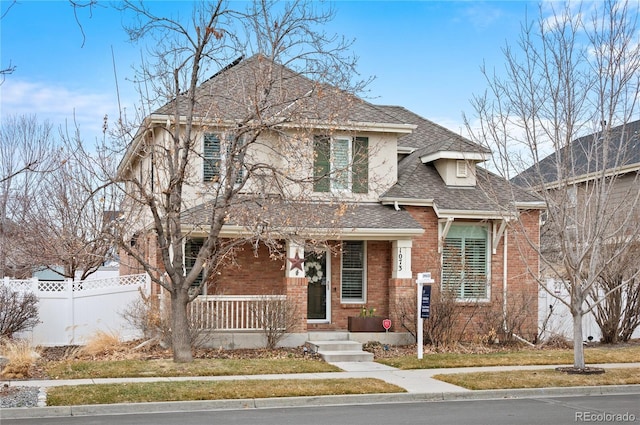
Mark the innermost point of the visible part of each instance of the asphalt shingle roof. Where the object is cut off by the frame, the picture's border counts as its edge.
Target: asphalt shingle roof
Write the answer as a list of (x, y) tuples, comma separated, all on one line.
[(280, 213), (584, 156), (241, 89), (423, 182)]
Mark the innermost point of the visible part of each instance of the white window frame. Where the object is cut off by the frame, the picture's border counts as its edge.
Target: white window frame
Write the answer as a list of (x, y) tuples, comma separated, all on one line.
[(363, 300), (487, 229), (335, 173), (223, 154)]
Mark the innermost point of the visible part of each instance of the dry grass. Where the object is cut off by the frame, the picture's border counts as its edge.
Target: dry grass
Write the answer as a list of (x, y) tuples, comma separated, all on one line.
[(212, 390), (21, 358), (78, 369), (521, 357), (539, 379), (102, 344)]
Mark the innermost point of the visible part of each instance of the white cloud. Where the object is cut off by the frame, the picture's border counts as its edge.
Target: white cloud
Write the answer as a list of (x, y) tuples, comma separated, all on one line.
[(482, 15), (57, 104)]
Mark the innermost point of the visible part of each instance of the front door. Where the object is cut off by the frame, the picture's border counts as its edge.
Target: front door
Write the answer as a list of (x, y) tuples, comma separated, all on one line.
[(318, 296)]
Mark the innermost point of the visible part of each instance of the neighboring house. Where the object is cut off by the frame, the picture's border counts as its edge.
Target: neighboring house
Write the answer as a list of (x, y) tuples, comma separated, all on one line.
[(582, 161), (414, 201), (588, 183), (579, 176)]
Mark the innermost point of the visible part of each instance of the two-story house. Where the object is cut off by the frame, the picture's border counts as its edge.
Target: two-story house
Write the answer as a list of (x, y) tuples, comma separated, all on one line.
[(380, 194)]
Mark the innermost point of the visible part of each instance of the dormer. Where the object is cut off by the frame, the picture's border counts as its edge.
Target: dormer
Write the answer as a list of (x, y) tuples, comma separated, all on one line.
[(456, 168)]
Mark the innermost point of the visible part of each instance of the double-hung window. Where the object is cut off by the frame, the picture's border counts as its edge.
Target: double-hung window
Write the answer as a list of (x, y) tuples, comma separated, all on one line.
[(341, 164), (465, 257), (353, 271), (218, 154)]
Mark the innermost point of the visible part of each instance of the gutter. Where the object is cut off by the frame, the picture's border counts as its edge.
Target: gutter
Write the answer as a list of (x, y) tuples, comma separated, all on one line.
[(350, 233)]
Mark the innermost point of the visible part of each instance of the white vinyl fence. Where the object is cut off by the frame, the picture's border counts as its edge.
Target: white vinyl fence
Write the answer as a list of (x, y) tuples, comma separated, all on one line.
[(71, 312), (554, 317)]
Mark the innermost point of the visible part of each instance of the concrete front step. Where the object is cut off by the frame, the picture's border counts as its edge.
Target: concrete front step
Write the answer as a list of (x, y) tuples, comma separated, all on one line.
[(346, 356), (321, 346), (340, 350), (328, 336)]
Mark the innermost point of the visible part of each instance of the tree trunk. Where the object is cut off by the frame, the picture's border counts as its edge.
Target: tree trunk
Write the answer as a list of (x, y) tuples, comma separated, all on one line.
[(180, 335), (578, 348)]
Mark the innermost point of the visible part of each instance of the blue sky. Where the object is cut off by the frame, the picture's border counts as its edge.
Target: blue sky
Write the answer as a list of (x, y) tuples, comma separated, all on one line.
[(424, 55)]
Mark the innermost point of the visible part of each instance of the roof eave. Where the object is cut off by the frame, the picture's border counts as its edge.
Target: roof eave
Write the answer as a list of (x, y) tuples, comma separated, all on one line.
[(630, 168), (414, 202), (473, 214), (350, 233), (531, 205), (467, 156), (406, 150)]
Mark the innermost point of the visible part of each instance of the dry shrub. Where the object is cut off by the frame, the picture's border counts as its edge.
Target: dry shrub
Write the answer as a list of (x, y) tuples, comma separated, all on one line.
[(101, 344), (21, 357), (447, 323), (151, 315), (18, 311), (276, 317), (506, 327), (146, 314), (557, 341)]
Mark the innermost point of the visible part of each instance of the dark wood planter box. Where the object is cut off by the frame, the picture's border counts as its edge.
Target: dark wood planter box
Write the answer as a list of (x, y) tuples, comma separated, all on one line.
[(366, 324)]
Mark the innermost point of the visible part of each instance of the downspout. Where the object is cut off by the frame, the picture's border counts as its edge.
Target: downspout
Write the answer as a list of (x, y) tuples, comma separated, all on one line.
[(504, 292), (504, 281)]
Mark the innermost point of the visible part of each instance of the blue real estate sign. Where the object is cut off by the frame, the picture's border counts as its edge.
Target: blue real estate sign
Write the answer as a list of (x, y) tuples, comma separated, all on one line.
[(425, 306)]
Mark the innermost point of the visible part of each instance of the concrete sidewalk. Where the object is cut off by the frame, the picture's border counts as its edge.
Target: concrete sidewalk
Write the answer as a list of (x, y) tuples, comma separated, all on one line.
[(419, 384)]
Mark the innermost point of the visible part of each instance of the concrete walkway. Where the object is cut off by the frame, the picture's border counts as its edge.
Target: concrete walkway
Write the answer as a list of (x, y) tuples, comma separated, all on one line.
[(419, 384)]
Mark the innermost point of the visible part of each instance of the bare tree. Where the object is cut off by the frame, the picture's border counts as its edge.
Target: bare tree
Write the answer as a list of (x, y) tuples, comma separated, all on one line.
[(53, 204), (69, 224), (26, 148), (261, 115), (575, 71)]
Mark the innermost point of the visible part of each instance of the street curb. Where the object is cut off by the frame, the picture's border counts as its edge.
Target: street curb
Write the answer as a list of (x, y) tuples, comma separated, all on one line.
[(286, 402)]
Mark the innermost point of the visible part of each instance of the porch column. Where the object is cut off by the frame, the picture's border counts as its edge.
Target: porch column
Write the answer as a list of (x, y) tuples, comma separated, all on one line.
[(401, 287), (295, 284), (295, 260), (401, 255)]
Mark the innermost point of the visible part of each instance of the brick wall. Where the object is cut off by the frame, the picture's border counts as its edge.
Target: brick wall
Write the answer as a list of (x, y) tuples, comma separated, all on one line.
[(477, 319), (252, 273), (255, 273)]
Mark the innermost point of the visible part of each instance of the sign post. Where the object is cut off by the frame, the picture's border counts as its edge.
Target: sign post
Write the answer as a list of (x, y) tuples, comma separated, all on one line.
[(423, 308), (386, 324)]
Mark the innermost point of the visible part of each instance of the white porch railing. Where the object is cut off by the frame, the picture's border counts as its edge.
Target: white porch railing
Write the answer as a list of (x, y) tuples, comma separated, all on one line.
[(233, 312)]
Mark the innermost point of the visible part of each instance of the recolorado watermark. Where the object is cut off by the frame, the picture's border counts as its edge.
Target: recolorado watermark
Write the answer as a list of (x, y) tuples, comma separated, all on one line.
[(587, 416)]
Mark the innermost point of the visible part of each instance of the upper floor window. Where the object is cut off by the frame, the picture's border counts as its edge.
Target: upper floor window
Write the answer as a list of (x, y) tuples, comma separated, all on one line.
[(216, 154), (465, 257), (341, 164)]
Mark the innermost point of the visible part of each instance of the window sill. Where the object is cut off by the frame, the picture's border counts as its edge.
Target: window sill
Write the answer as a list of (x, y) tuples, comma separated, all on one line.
[(351, 305)]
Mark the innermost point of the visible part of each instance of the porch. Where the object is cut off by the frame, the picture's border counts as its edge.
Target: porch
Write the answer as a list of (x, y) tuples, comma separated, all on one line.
[(238, 321)]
